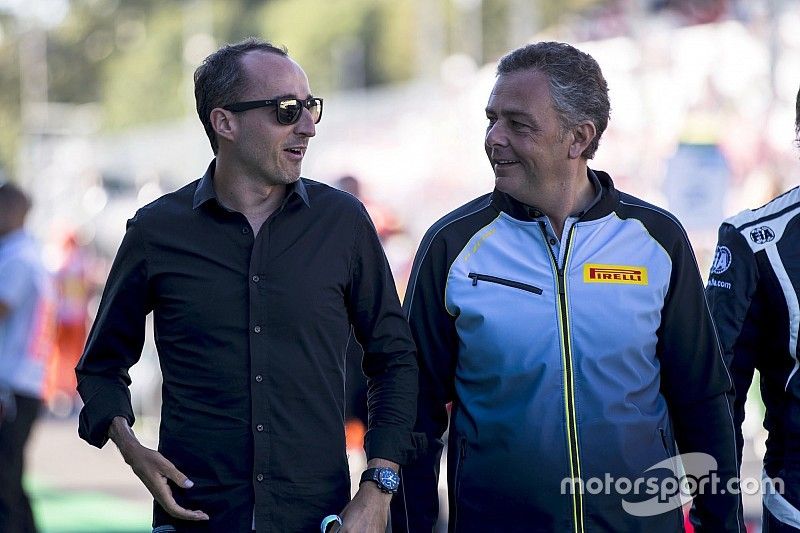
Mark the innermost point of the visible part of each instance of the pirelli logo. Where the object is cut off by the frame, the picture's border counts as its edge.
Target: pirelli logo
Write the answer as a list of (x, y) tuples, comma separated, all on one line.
[(627, 275)]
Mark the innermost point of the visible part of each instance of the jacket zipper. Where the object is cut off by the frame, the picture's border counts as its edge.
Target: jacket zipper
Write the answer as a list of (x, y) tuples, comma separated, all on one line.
[(502, 281), (569, 384)]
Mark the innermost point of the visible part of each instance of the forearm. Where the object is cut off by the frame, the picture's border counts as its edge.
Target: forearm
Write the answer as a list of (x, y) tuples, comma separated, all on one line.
[(115, 342), (368, 511), (105, 398), (377, 496), (122, 435), (392, 407)]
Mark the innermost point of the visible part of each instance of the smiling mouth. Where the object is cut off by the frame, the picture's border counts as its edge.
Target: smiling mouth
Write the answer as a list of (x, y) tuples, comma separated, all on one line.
[(296, 151), (504, 162)]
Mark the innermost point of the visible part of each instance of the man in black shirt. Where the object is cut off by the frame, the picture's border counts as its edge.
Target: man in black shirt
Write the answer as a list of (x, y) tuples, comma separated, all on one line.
[(255, 278)]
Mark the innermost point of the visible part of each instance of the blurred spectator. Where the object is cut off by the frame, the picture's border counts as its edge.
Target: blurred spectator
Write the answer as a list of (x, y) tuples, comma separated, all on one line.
[(75, 287), (386, 223), (26, 319)]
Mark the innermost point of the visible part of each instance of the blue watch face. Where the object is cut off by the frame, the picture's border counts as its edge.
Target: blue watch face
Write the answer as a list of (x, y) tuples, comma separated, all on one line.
[(389, 478)]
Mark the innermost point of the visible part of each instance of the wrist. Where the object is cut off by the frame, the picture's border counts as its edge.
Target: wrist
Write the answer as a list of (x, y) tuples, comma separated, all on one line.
[(123, 437), (384, 478), (373, 493)]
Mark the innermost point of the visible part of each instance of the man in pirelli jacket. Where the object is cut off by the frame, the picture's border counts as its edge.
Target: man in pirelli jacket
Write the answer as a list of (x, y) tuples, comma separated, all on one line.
[(753, 292), (566, 322)]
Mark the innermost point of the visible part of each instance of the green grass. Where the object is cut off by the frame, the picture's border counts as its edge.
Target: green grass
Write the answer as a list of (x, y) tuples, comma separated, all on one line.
[(58, 511)]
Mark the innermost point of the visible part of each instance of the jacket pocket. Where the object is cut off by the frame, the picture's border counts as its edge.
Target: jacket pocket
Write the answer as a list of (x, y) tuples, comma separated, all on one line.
[(502, 281)]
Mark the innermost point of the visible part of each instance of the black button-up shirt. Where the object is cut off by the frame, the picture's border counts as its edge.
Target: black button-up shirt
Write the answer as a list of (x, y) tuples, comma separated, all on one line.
[(251, 332)]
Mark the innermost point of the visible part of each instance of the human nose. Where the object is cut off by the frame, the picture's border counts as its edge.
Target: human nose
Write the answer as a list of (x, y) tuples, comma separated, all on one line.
[(495, 136), (305, 125)]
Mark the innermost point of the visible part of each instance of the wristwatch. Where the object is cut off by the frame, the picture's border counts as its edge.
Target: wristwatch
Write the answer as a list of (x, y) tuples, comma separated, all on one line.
[(386, 479)]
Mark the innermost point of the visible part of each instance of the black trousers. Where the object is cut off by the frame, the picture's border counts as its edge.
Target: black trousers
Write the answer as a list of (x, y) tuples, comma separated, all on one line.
[(16, 515)]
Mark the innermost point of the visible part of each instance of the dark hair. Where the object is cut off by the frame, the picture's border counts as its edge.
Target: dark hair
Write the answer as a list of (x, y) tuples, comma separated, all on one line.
[(797, 119), (13, 199), (220, 79), (577, 87)]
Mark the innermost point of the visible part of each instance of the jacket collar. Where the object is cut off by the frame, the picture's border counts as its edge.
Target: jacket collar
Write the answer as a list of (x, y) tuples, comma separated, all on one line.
[(603, 203)]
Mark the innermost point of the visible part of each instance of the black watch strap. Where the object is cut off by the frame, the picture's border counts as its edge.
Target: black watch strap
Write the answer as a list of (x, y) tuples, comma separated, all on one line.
[(387, 479)]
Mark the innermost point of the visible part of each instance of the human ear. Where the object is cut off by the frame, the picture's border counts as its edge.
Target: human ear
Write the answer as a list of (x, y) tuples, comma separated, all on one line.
[(582, 136), (223, 123)]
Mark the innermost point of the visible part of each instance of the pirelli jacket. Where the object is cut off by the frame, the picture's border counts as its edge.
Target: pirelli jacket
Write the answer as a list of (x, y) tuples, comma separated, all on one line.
[(753, 293), (567, 361)]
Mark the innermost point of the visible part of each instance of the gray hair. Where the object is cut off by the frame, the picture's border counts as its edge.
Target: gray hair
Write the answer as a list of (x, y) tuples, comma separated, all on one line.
[(220, 79), (577, 87)]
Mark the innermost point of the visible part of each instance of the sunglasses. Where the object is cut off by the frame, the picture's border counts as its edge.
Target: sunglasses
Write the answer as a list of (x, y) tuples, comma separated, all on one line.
[(287, 110)]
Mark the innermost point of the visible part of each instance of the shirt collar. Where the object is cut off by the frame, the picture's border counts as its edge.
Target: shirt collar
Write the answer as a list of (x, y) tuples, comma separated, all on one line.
[(299, 188), (205, 188)]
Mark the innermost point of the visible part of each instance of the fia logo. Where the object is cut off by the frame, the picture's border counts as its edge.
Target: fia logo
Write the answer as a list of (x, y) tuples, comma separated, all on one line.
[(762, 234), (722, 260)]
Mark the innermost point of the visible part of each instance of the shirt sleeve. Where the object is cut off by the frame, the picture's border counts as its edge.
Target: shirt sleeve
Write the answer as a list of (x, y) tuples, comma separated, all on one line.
[(695, 383), (389, 355), (416, 508), (731, 288), (16, 286), (18, 283), (115, 341)]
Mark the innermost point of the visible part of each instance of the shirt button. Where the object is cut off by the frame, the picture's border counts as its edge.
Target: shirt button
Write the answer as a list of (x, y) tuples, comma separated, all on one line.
[(552, 241), (256, 279), (257, 329), (245, 230), (260, 477), (259, 427), (259, 378)]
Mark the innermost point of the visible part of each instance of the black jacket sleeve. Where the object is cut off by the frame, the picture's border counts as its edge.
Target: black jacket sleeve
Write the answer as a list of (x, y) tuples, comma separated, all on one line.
[(115, 342), (416, 508), (731, 286), (695, 383)]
